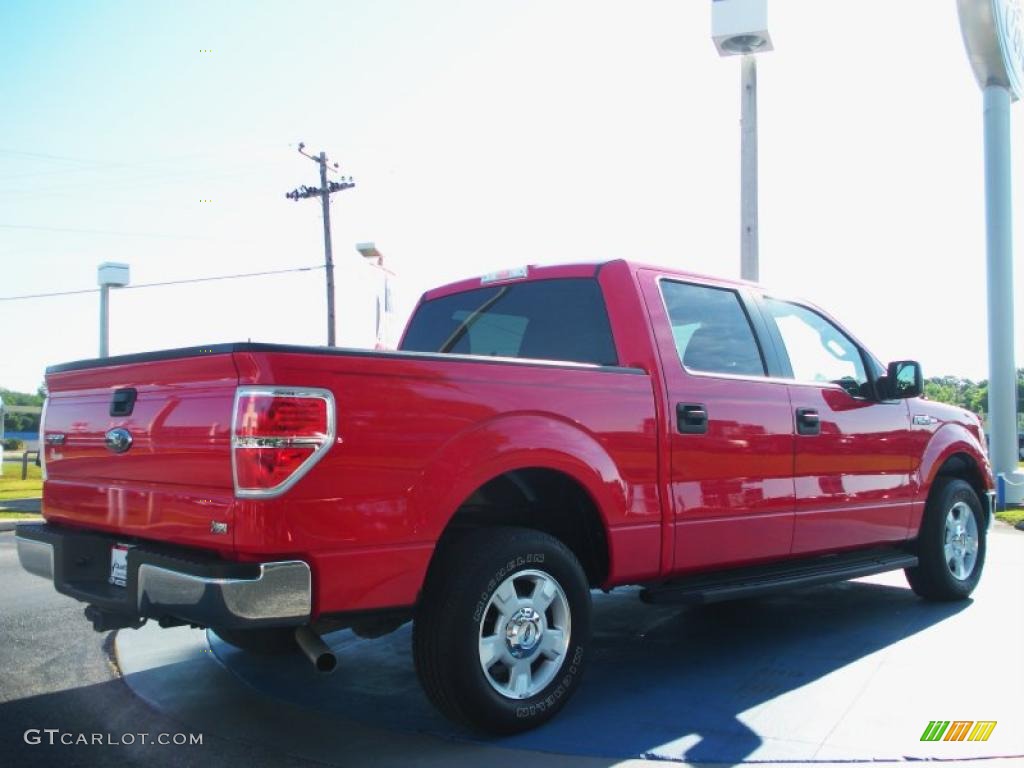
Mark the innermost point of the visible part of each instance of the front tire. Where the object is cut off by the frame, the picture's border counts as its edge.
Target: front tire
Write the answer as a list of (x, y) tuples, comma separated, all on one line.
[(951, 543), (502, 629)]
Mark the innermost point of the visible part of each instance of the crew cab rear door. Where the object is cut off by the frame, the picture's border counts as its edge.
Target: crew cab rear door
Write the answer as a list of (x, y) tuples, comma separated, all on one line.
[(852, 461), (731, 428)]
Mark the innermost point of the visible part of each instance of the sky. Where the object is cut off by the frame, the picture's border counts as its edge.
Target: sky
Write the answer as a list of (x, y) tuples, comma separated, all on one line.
[(481, 135)]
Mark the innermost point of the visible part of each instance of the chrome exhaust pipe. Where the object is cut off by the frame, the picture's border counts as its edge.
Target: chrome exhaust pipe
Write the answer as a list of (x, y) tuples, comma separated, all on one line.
[(316, 650)]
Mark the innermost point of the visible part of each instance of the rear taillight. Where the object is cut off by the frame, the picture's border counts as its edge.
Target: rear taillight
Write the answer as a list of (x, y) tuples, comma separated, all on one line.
[(277, 435)]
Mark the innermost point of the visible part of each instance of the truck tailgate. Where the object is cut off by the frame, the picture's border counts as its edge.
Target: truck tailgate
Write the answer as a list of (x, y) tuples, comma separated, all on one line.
[(173, 482)]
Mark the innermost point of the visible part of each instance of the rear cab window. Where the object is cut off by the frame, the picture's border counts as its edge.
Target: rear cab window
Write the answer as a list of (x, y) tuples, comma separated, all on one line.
[(556, 319), (711, 330)]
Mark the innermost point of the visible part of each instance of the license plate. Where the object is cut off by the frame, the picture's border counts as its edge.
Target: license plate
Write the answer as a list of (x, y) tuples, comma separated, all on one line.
[(119, 564)]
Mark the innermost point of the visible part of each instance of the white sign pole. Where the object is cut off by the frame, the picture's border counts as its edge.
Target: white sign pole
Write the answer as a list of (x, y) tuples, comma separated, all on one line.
[(993, 32), (1002, 377)]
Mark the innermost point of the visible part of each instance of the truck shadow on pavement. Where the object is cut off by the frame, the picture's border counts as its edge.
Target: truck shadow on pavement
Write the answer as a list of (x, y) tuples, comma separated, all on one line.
[(701, 683)]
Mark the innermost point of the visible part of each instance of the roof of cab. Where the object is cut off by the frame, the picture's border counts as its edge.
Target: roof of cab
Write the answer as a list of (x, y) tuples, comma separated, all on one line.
[(585, 269)]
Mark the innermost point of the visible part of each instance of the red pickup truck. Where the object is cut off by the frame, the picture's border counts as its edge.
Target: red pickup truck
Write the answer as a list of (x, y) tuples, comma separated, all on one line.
[(540, 433)]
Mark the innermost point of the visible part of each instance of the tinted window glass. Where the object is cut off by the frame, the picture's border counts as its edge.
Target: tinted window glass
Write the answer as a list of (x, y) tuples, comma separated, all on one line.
[(542, 320), (817, 350), (711, 330)]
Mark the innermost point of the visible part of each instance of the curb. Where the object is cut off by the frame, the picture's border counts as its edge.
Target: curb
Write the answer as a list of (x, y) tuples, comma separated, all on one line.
[(25, 506), (8, 525)]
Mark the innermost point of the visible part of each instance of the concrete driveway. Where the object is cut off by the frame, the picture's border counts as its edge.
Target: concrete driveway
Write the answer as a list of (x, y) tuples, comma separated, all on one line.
[(845, 672), (849, 672)]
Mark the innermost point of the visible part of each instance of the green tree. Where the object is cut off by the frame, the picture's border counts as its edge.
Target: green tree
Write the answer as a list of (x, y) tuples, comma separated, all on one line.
[(22, 422), (966, 393)]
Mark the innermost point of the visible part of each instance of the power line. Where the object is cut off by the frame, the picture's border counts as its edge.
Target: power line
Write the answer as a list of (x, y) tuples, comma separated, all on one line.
[(166, 282), (124, 233), (107, 163), (44, 156), (48, 295), (77, 231), (228, 277), (140, 176)]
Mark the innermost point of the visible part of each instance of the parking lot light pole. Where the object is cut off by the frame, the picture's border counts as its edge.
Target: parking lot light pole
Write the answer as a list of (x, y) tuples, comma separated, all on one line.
[(109, 275), (740, 28), (375, 258)]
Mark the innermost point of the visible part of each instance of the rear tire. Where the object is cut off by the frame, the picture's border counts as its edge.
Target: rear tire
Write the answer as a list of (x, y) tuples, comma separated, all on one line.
[(950, 544), (270, 641), (502, 629)]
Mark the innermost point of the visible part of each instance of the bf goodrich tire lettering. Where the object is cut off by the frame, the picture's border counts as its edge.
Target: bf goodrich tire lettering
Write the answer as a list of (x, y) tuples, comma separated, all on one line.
[(501, 631)]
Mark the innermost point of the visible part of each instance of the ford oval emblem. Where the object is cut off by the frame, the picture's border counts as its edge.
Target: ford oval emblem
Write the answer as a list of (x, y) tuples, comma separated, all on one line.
[(118, 440)]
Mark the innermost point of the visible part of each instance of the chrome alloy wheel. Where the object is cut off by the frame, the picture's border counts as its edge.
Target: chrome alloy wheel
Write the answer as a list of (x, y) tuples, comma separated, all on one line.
[(960, 541), (524, 634)]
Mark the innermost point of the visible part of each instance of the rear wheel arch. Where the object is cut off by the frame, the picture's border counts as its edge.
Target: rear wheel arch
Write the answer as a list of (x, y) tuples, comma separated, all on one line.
[(539, 498), (528, 461)]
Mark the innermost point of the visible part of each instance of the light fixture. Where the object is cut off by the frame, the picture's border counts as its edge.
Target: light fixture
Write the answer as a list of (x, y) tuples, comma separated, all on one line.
[(744, 44), (739, 27)]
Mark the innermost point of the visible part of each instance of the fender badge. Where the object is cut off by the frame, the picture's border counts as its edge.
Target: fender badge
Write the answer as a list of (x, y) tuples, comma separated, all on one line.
[(924, 421)]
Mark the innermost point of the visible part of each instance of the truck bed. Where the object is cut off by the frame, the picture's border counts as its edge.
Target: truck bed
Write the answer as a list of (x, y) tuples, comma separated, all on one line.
[(368, 515)]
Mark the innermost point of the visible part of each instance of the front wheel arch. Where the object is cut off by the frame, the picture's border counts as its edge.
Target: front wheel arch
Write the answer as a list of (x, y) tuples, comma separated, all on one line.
[(942, 538)]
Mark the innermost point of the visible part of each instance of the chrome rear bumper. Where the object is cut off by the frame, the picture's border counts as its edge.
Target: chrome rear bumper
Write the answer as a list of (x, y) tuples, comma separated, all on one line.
[(169, 584)]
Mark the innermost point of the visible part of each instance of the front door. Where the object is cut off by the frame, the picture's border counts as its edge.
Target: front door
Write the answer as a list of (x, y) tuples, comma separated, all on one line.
[(852, 462), (731, 432)]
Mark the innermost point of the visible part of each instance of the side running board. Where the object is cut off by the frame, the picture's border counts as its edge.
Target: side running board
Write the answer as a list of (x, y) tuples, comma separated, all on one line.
[(778, 577)]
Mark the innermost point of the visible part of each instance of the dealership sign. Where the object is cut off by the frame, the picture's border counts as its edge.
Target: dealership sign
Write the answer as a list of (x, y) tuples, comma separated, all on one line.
[(994, 35)]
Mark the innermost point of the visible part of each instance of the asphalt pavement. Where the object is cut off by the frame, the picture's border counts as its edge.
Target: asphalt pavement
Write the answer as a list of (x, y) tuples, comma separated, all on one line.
[(57, 673), (28, 506), (835, 674)]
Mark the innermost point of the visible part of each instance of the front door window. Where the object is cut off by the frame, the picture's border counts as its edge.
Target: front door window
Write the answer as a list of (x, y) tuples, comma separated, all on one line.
[(818, 351)]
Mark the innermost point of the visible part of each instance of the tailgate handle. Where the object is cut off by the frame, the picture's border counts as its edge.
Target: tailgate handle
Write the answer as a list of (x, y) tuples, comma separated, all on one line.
[(123, 402)]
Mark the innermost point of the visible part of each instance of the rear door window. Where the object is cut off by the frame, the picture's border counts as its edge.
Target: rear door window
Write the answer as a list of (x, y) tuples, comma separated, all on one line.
[(559, 319)]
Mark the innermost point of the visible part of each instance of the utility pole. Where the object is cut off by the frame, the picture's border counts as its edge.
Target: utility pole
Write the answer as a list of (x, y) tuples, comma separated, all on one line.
[(324, 192)]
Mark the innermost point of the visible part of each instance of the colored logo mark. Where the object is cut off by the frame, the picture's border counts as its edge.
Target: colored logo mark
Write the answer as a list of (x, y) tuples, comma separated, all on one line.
[(958, 730)]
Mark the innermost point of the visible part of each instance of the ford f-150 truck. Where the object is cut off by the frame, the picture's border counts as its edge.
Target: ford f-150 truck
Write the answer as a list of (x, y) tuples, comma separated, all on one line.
[(539, 433)]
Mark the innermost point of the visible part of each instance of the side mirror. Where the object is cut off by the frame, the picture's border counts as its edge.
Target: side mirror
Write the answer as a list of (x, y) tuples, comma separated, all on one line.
[(904, 379)]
